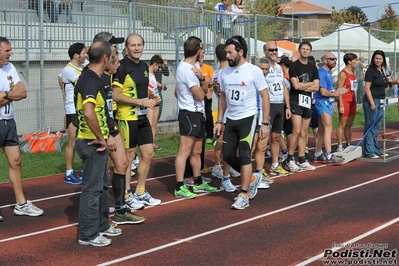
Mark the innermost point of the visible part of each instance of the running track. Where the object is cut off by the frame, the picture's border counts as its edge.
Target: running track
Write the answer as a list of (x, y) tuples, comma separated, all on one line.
[(291, 223)]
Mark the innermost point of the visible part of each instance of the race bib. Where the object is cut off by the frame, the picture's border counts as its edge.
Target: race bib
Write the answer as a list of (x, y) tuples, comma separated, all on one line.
[(354, 85), (6, 111), (236, 96), (304, 101), (276, 88), (109, 106), (141, 110)]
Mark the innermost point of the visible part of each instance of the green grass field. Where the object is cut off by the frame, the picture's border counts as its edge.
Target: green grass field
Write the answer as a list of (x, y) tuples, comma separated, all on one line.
[(41, 164)]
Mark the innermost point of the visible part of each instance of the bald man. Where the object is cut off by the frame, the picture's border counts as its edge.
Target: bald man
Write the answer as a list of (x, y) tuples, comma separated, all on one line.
[(323, 107)]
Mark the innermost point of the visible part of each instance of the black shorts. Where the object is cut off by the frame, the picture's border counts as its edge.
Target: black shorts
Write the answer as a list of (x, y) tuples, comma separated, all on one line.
[(277, 117), (314, 122), (136, 132), (191, 124), (301, 111), (72, 118), (8, 133)]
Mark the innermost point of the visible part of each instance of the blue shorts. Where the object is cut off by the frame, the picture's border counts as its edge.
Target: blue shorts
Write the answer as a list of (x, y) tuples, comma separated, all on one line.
[(322, 106)]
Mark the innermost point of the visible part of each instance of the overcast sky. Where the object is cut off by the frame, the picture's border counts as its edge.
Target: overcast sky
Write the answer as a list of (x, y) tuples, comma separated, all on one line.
[(370, 7)]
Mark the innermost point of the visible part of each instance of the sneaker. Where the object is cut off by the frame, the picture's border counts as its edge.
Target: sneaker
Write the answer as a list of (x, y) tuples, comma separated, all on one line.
[(112, 231), (217, 172), (99, 241), (339, 149), (263, 185), (279, 170), (132, 203), (188, 181), (184, 192), (265, 177), (241, 202), (335, 160), (128, 218), (27, 209), (206, 179), (135, 163), (157, 147), (306, 166), (206, 170), (132, 173), (204, 187), (227, 186), (1, 218), (291, 166), (374, 156), (268, 153), (234, 173), (147, 199), (319, 159), (396, 139), (72, 179), (282, 158), (253, 187), (306, 150)]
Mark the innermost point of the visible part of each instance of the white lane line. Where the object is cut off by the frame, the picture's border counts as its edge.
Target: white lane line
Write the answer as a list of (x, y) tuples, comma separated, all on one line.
[(242, 222), (353, 240)]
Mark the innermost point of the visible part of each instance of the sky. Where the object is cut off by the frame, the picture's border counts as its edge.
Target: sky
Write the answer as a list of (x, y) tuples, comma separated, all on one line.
[(370, 7)]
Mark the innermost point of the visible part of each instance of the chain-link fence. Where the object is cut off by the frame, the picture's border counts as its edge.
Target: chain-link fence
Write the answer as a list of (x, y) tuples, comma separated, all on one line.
[(41, 32)]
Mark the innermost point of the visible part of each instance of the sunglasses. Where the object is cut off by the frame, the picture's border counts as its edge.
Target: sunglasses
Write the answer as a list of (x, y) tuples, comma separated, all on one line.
[(237, 42), (332, 59), (273, 50)]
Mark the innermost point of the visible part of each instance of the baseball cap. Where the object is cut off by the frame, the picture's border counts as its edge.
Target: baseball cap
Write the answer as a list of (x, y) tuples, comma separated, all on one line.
[(108, 37)]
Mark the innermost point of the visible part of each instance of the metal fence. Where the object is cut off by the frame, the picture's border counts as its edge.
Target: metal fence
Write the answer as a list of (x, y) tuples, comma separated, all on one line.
[(40, 45)]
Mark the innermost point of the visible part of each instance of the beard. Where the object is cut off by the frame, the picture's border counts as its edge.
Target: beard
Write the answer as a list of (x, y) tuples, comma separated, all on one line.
[(234, 62)]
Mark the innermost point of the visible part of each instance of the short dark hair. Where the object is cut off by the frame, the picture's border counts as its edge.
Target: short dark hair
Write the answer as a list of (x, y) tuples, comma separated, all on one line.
[(305, 43), (97, 50), (349, 57), (75, 48), (3, 40), (220, 52), (239, 44), (191, 46), (156, 59)]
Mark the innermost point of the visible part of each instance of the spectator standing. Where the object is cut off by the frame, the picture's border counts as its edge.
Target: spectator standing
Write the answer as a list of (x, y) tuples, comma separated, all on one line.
[(163, 70), (239, 10), (220, 8), (360, 70), (12, 89)]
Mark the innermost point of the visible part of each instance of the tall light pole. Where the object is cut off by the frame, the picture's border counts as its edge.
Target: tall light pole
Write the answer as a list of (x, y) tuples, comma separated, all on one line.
[(376, 15)]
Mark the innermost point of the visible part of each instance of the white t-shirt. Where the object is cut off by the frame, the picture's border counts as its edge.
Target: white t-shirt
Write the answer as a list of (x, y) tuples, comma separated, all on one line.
[(152, 84), (8, 77), (69, 75), (186, 79), (275, 80), (240, 85), (217, 77)]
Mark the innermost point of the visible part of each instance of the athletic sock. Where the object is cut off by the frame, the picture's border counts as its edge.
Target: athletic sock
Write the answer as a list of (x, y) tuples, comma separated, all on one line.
[(274, 165), (179, 185), (198, 180), (317, 154), (285, 151), (140, 190), (301, 159), (69, 172), (120, 209), (329, 155), (224, 178)]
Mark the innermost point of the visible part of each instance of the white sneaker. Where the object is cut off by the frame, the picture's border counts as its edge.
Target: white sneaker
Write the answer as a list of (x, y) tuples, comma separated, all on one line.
[(99, 241), (227, 186), (253, 187), (306, 166), (147, 199), (28, 209), (217, 172), (133, 204), (263, 185), (234, 173), (339, 149), (291, 166), (135, 163), (240, 202)]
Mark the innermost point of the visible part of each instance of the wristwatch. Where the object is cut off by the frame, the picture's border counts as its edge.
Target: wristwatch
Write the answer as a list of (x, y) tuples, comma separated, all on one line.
[(6, 92)]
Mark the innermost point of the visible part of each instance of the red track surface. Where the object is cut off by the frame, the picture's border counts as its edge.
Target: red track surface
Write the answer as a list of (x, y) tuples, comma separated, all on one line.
[(299, 217)]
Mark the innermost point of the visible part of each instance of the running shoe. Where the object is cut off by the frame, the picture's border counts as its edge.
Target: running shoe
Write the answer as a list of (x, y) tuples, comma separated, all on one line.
[(279, 170), (135, 163), (206, 170), (306, 150), (266, 177), (283, 157), (204, 187), (72, 179), (319, 159), (147, 199), (206, 179), (217, 172), (263, 185), (132, 173), (157, 147), (227, 186), (374, 156), (28, 209), (396, 139), (184, 192), (99, 241), (306, 166), (234, 173), (335, 160), (112, 231), (188, 181), (339, 149), (132, 203), (291, 166), (1, 218), (253, 186), (128, 218), (241, 202)]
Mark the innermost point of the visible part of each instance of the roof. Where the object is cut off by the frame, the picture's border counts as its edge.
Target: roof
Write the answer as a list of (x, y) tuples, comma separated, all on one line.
[(302, 8)]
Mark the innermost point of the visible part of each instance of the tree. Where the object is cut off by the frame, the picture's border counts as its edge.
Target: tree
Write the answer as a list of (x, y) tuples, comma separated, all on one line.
[(268, 24), (389, 22), (352, 14)]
